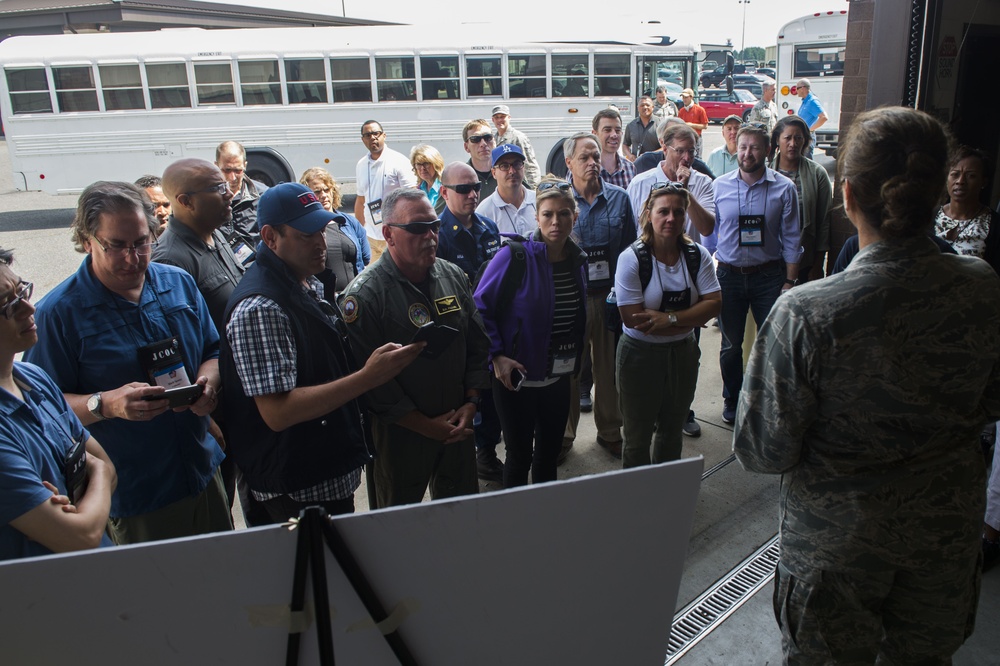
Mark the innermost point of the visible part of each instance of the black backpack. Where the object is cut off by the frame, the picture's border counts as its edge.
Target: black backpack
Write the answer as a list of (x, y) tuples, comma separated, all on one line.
[(692, 258)]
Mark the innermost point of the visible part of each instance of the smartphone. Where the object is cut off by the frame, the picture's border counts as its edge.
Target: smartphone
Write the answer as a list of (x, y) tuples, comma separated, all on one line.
[(516, 379), (178, 397), (437, 336)]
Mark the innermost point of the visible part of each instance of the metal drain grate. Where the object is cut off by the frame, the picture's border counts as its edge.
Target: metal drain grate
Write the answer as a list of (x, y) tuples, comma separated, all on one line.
[(714, 605)]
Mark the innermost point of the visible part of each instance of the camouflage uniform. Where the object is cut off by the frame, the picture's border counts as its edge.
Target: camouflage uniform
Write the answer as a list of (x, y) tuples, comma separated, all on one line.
[(766, 113), (867, 391)]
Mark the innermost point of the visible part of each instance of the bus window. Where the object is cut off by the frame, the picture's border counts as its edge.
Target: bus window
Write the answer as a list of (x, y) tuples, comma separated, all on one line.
[(351, 79), (29, 91), (483, 76), (397, 79), (121, 86), (569, 75), (168, 85), (214, 83), (813, 61), (306, 81), (612, 75), (259, 82), (75, 89), (439, 77), (527, 75)]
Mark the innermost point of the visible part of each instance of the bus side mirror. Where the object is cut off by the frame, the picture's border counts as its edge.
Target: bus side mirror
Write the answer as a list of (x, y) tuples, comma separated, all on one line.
[(729, 85)]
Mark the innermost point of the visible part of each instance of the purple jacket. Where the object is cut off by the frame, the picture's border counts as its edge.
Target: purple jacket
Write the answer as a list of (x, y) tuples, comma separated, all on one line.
[(524, 329)]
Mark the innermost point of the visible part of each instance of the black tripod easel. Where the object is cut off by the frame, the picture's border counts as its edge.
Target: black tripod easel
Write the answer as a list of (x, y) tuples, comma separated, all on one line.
[(316, 529)]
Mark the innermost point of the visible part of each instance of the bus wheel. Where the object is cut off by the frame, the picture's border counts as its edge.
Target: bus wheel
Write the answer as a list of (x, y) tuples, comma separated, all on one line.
[(268, 169), (557, 160)]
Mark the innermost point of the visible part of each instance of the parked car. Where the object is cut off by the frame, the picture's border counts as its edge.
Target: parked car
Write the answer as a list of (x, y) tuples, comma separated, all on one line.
[(719, 104), (768, 71), (755, 89), (713, 78)]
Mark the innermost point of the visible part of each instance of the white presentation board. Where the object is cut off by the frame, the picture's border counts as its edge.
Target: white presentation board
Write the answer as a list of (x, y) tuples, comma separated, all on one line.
[(584, 571)]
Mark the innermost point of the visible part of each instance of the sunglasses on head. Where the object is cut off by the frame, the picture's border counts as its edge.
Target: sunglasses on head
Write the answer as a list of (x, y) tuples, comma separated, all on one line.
[(562, 187), (418, 228), (758, 126), (476, 138), (465, 188)]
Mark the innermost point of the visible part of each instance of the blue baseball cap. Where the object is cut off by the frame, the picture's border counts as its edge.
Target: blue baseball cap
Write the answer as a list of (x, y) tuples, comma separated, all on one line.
[(295, 205), (506, 149)]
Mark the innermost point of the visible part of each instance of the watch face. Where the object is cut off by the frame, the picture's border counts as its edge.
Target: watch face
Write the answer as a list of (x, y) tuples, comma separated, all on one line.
[(94, 404)]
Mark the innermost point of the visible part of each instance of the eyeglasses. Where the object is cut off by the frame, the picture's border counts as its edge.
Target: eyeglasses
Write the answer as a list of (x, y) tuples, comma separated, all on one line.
[(682, 153), (372, 135), (219, 188), (476, 138), (510, 166), (121, 251), (423, 165), (465, 188), (562, 187), (23, 294), (418, 228), (321, 191), (757, 126)]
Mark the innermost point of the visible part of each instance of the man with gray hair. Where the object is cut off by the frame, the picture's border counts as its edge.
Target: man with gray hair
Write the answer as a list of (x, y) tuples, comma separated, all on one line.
[(810, 110), (241, 231), (423, 418), (765, 111), (604, 229)]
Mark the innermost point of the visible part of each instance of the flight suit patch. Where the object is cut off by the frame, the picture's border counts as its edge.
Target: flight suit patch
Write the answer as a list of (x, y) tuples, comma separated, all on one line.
[(447, 304), (418, 314)]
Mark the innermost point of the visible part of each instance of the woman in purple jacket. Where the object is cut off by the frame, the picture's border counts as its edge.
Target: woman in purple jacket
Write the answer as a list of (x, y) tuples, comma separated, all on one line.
[(536, 325)]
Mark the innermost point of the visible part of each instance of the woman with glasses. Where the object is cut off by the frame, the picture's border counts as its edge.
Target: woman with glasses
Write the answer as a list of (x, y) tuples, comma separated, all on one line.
[(867, 392), (532, 297), (428, 165), (347, 248), (55, 479), (666, 288), (789, 141)]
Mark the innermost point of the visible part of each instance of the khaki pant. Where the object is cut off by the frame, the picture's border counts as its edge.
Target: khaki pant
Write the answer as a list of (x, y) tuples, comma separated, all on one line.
[(607, 416)]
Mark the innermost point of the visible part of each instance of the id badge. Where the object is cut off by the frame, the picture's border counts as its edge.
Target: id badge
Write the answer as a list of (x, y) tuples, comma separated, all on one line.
[(563, 359), (375, 208), (598, 264), (674, 301), (75, 471), (751, 230), (243, 253), (163, 362)]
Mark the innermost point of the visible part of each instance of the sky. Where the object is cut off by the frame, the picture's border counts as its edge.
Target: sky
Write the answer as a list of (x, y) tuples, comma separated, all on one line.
[(688, 21)]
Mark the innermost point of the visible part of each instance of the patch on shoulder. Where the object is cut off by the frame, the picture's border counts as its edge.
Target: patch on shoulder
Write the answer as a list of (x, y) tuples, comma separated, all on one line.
[(351, 309), (419, 315)]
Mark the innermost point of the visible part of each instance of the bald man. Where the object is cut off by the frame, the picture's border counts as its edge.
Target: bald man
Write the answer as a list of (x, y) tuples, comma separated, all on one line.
[(199, 199)]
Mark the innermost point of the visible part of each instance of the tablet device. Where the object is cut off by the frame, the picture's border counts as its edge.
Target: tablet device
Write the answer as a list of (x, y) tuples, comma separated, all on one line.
[(437, 336), (178, 397)]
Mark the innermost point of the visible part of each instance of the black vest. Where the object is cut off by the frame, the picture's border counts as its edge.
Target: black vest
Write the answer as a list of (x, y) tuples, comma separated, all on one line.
[(311, 452)]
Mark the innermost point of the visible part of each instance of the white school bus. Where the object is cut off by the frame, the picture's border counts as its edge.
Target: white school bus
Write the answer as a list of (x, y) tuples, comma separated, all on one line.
[(813, 47), (78, 108)]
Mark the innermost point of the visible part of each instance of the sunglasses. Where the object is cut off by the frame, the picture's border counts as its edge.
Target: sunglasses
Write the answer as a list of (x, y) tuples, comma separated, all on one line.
[(476, 138), (562, 187), (23, 294), (758, 126), (418, 228), (465, 188), (668, 186)]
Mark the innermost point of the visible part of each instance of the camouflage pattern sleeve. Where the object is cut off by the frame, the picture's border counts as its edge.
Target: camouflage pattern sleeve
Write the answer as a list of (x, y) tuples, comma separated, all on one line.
[(778, 402)]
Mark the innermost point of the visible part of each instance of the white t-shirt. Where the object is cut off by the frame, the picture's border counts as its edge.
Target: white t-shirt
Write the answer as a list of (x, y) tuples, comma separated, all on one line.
[(699, 185), (510, 219), (674, 278), (376, 178)]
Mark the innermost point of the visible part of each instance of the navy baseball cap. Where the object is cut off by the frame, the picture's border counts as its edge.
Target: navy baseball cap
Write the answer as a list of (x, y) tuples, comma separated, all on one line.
[(295, 205), (506, 149)]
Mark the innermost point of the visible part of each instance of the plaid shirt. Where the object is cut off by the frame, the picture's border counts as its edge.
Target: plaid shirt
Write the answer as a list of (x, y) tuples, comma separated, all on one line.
[(623, 176), (260, 335)]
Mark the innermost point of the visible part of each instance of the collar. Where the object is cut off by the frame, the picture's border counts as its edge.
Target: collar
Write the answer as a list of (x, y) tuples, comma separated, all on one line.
[(389, 266), (185, 232), (95, 294), (448, 220), (576, 193), (894, 250), (8, 403), (767, 177)]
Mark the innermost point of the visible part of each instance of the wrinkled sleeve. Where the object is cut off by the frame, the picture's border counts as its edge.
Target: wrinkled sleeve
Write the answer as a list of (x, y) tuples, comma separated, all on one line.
[(778, 402)]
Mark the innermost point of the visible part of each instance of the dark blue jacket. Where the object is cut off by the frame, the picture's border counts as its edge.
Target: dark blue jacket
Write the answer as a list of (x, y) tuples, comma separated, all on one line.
[(468, 248)]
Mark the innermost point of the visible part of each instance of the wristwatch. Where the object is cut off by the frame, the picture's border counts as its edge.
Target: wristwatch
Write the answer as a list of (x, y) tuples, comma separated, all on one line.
[(791, 282), (94, 405), (473, 400), (672, 318)]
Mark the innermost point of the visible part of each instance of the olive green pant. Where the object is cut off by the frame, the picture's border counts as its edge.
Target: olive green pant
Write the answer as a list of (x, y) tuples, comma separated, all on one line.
[(656, 385)]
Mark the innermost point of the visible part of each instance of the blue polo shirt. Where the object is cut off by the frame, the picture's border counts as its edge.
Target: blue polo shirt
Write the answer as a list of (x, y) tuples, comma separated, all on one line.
[(468, 248), (35, 436), (810, 109), (88, 341)]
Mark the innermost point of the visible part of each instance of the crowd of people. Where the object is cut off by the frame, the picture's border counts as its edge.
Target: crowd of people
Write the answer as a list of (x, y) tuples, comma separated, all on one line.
[(225, 339)]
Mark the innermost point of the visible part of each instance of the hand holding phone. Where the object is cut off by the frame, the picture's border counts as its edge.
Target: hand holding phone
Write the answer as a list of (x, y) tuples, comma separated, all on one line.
[(178, 397)]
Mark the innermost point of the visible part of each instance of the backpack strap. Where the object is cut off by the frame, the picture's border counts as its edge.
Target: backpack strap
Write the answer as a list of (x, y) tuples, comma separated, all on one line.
[(692, 257), (645, 258), (513, 276)]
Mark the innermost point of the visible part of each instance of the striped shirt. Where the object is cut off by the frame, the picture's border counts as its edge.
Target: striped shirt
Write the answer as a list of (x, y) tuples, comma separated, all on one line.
[(568, 305)]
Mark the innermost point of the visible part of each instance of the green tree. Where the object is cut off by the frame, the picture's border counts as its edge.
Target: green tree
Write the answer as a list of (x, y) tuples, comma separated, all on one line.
[(755, 53)]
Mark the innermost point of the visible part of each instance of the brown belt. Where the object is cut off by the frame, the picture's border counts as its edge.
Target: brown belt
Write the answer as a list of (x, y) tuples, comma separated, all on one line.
[(750, 270)]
